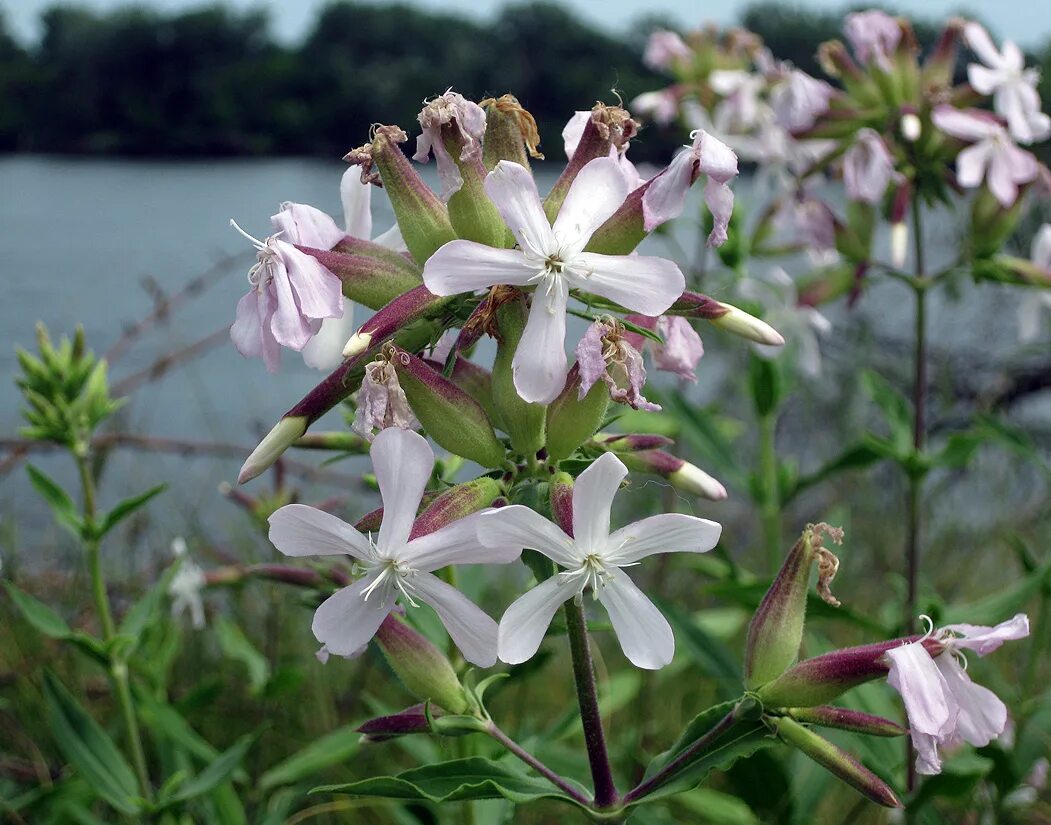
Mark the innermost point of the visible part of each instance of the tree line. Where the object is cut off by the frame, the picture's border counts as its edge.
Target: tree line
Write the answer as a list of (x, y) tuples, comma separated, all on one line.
[(214, 81)]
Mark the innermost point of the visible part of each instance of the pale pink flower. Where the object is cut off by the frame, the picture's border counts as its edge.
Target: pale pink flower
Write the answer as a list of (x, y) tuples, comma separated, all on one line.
[(1012, 85), (665, 197), (741, 104), (868, 168), (381, 401), (664, 49), (552, 258), (661, 106), (594, 557), (682, 348), (993, 156), (799, 99), (574, 131), (470, 122), (805, 219), (1036, 302), (874, 35), (604, 353), (290, 294), (395, 567), (943, 705)]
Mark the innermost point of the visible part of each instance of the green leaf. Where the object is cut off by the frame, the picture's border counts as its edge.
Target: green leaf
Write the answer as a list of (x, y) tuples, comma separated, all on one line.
[(214, 775), (896, 409), (62, 506), (857, 457), (89, 749), (235, 645), (717, 808), (710, 654), (764, 378), (743, 738), (126, 508), (38, 614), (459, 779), (331, 749), (145, 611)]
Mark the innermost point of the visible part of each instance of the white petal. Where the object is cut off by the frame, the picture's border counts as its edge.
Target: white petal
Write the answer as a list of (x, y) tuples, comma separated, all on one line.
[(1041, 251), (392, 239), (596, 193), (928, 762), (456, 543), (574, 131), (592, 499), (540, 365), (464, 266), (971, 164), (345, 621), (666, 533), (929, 703), (319, 293), (305, 225), (983, 79), (402, 461), (511, 188), (473, 631), (289, 327), (963, 124), (299, 530), (246, 332), (519, 527), (982, 715), (640, 283), (525, 622), (665, 197), (984, 640), (644, 634), (357, 204), (325, 350), (1001, 177), (979, 41)]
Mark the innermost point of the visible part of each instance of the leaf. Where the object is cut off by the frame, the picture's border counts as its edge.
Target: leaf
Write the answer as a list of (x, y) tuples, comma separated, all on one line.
[(896, 409), (335, 747), (459, 779), (765, 380), (215, 774), (742, 739), (62, 506), (142, 614), (717, 808), (235, 645), (125, 509), (89, 749), (38, 614), (857, 457), (710, 654)]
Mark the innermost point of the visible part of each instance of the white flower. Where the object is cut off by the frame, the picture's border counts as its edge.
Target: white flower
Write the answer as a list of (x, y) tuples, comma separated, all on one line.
[(1035, 302), (395, 566), (1012, 85), (552, 258), (594, 557), (186, 585)]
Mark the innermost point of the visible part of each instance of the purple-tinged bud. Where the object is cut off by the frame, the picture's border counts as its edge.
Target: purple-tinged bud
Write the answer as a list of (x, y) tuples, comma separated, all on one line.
[(833, 759), (855, 721), (573, 419), (337, 441), (449, 415), (456, 503), (632, 442), (422, 217), (939, 67), (372, 275), (689, 478), (561, 494), (523, 421), (280, 438), (476, 381), (625, 229), (696, 305), (748, 326), (609, 127), (417, 303), (510, 132), (286, 574), (370, 522), (821, 679), (776, 630), (411, 720), (421, 667)]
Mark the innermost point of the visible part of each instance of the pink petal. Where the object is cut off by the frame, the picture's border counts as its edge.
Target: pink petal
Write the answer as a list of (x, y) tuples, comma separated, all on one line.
[(644, 634), (539, 365), (667, 533), (345, 621), (928, 701), (319, 293), (665, 197), (966, 125), (590, 359), (511, 188), (596, 193), (982, 715), (637, 282), (720, 200), (470, 628), (290, 328), (525, 622), (464, 266), (402, 461), (592, 499), (682, 347), (246, 332), (984, 640), (301, 224), (972, 162)]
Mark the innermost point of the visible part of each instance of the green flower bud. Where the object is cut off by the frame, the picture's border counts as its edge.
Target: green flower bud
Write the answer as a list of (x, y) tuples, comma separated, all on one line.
[(476, 381), (372, 275), (572, 420), (776, 630), (522, 421), (510, 132), (422, 668), (560, 491), (280, 438), (845, 719), (456, 503)]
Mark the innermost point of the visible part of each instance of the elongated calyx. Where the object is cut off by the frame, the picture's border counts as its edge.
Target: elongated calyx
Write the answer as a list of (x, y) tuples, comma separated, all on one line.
[(423, 669)]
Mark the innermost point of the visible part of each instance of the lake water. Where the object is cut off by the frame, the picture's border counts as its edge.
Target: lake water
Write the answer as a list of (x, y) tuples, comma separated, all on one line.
[(79, 237)]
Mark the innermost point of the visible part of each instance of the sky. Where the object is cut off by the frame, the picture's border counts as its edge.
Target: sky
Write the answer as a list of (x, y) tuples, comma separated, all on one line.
[(1026, 21)]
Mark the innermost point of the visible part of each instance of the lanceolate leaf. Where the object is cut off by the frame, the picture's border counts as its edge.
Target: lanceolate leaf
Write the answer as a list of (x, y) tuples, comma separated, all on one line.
[(459, 779), (216, 773), (126, 508), (38, 614), (58, 500), (333, 748)]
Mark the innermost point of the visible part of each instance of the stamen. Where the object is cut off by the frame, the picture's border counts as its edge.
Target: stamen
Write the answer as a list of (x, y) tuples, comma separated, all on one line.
[(255, 241), (930, 626)]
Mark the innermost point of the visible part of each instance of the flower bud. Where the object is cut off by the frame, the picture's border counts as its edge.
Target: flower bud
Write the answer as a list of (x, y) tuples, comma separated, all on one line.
[(632, 442), (421, 215), (417, 303), (991, 223), (911, 127), (625, 229), (835, 760), (572, 420), (336, 441), (449, 415), (411, 720), (279, 439), (855, 721), (682, 475), (421, 667), (696, 305), (371, 275), (940, 65), (776, 629), (524, 422), (456, 503), (510, 132), (748, 326), (476, 381), (561, 494)]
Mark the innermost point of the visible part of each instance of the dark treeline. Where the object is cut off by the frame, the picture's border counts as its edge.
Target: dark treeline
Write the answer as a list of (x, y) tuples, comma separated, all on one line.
[(214, 82)]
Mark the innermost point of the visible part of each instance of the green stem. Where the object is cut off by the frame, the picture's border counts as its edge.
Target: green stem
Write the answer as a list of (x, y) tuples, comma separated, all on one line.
[(587, 698), (118, 669), (770, 506)]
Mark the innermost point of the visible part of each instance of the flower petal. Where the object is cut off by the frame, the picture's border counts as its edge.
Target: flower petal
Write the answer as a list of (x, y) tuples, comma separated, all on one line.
[(457, 543), (644, 634), (574, 131), (319, 293), (592, 500), (641, 283), (519, 527), (512, 190), (473, 631), (357, 204), (982, 715), (345, 621), (299, 530), (300, 223), (971, 164), (402, 461), (979, 42), (966, 125), (289, 327), (596, 193), (665, 197), (984, 640), (929, 703), (246, 332), (540, 365), (666, 533), (325, 350), (525, 622), (464, 266)]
